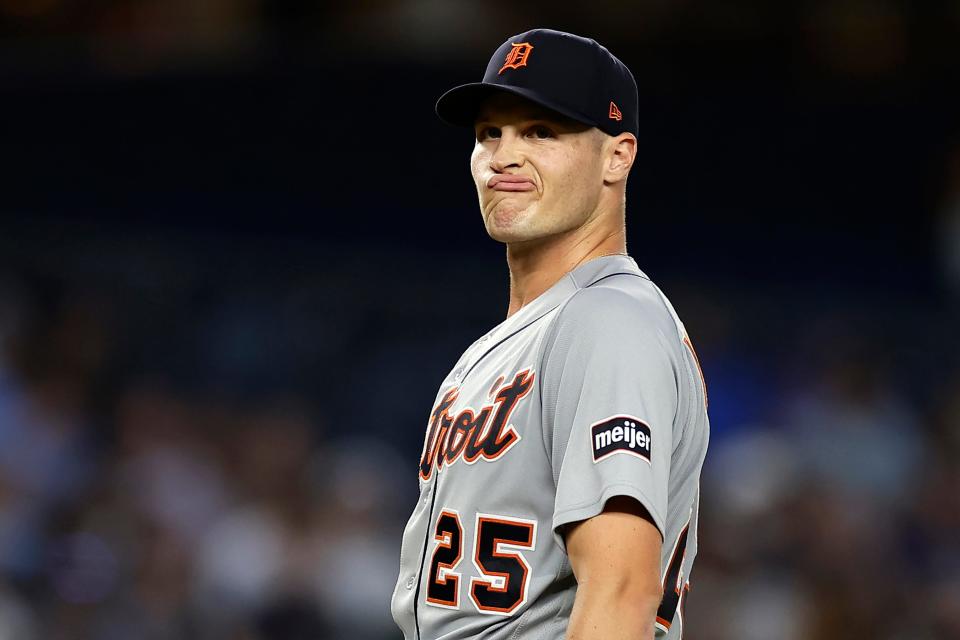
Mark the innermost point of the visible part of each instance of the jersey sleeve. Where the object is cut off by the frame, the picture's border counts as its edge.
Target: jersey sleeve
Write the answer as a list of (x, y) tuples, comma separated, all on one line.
[(610, 395)]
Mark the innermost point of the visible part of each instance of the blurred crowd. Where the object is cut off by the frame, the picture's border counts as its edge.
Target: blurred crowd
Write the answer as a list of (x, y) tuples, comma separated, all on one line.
[(839, 516), (150, 511), (140, 501), (860, 39)]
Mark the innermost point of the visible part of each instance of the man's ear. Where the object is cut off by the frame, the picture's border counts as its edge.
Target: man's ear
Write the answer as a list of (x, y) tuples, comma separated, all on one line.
[(619, 153)]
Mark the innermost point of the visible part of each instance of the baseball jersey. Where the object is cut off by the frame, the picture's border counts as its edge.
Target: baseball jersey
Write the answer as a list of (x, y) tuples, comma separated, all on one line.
[(590, 391)]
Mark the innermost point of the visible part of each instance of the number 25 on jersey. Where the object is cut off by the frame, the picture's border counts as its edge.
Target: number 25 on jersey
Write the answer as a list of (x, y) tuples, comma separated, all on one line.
[(497, 555)]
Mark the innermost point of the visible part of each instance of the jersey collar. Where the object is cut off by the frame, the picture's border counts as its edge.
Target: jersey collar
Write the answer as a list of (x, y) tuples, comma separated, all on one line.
[(582, 276)]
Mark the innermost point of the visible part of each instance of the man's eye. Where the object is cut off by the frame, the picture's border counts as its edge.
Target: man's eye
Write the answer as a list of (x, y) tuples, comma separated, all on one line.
[(541, 133), (488, 132)]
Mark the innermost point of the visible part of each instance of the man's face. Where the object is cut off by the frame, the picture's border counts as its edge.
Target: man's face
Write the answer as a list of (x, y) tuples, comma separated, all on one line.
[(537, 173)]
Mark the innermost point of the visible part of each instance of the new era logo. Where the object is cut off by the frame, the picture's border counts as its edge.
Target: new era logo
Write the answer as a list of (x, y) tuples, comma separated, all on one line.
[(620, 434), (615, 112)]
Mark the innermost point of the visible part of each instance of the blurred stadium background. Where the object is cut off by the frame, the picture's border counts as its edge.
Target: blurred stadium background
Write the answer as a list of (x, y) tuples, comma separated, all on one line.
[(238, 253)]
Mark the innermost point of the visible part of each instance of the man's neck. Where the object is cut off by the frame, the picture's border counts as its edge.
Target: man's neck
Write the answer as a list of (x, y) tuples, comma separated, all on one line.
[(537, 265)]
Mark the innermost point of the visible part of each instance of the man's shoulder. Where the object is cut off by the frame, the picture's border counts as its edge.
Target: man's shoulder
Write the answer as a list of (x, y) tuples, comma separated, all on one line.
[(621, 300)]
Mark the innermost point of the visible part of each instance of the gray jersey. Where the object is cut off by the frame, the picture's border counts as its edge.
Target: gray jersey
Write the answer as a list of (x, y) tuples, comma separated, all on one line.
[(590, 391)]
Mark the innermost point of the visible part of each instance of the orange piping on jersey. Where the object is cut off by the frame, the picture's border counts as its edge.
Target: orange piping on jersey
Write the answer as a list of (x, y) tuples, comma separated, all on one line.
[(703, 381)]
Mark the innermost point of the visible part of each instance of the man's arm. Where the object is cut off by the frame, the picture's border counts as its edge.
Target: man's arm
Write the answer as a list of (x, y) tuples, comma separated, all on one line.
[(615, 557)]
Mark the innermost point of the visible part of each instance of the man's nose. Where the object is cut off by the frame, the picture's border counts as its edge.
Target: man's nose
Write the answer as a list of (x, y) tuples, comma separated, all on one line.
[(507, 153)]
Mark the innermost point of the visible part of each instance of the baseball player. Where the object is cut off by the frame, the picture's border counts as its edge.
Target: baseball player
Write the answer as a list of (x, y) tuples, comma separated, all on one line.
[(559, 476)]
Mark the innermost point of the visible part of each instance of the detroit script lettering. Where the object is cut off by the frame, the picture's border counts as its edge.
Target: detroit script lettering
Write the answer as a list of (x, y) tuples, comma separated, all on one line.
[(472, 435)]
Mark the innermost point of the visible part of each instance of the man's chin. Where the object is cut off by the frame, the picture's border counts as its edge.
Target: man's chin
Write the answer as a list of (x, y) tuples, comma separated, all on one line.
[(506, 224), (517, 235), (503, 236), (507, 232)]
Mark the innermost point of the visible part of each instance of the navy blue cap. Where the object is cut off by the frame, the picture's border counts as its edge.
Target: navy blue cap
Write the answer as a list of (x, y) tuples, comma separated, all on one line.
[(572, 75)]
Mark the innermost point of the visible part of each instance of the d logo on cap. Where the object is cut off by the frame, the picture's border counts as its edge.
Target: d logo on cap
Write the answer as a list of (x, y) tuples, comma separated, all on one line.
[(517, 56)]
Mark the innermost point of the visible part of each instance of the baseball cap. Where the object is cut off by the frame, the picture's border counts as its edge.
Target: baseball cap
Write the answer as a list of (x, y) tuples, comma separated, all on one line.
[(572, 75)]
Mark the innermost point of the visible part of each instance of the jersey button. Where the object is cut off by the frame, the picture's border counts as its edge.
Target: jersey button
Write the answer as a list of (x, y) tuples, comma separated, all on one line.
[(411, 581)]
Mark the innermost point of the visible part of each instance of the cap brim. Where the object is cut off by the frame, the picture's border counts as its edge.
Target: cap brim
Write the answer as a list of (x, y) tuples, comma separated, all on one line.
[(461, 105)]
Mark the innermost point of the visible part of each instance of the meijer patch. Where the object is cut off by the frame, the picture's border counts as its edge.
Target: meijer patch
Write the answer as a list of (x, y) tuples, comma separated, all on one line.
[(620, 434)]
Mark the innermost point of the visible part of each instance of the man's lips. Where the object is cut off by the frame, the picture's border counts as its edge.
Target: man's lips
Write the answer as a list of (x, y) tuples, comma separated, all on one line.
[(504, 182)]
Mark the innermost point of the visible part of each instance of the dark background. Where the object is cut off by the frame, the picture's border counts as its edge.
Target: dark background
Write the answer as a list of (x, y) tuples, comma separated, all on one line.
[(238, 253)]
